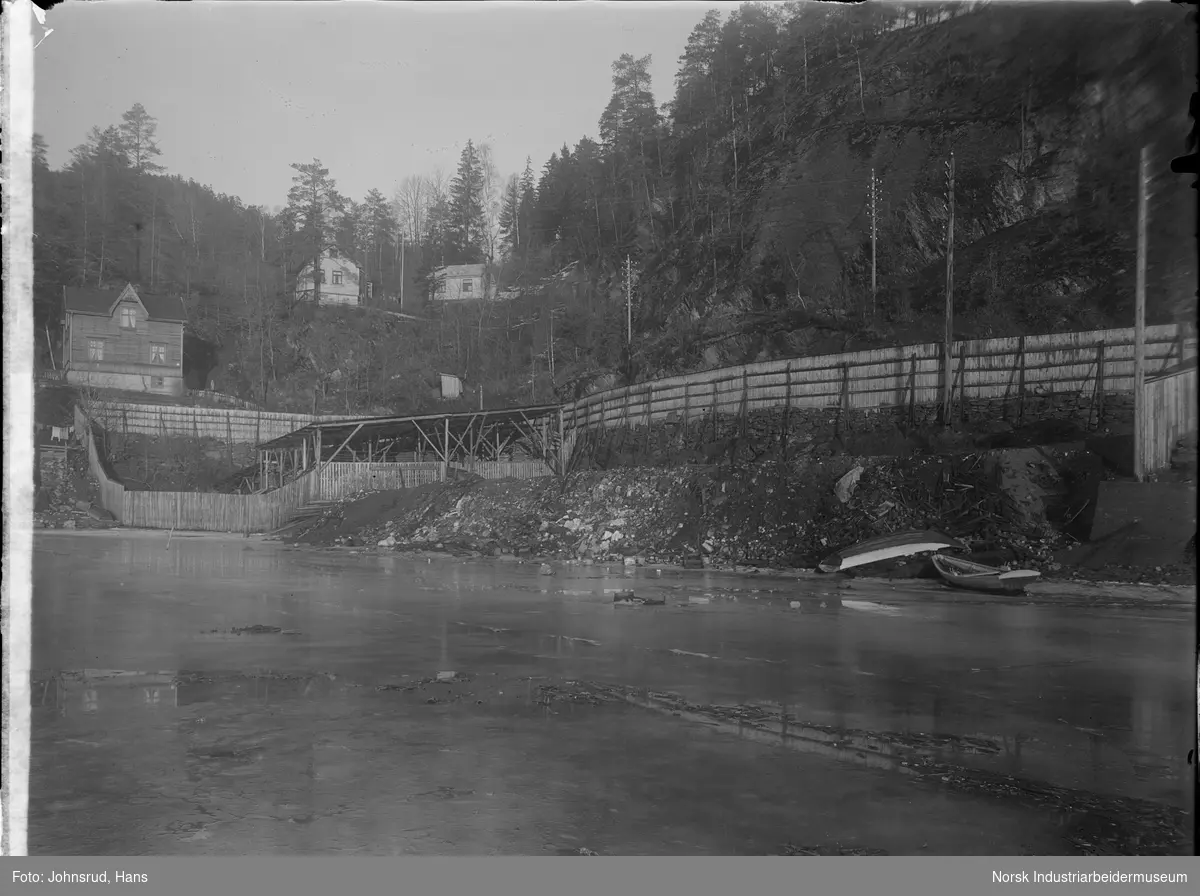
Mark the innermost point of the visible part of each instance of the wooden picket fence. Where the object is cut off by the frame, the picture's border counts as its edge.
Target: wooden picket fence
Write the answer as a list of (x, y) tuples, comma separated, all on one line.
[(1168, 414), (198, 511), (266, 511), (1018, 367)]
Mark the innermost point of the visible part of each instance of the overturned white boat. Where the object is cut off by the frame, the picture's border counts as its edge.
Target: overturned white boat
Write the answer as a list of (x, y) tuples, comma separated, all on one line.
[(889, 547)]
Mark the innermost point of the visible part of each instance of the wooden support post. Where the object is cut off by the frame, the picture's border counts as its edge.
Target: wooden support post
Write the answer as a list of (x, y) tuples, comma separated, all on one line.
[(562, 445), (961, 378), (1100, 387), (744, 411), (844, 416), (687, 416), (949, 336), (333, 456), (1140, 424), (445, 448), (785, 431), (912, 391), (1021, 381)]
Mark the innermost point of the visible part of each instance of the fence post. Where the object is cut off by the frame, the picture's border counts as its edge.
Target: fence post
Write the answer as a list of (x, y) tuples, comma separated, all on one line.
[(912, 390), (787, 409), (962, 383), (1021, 382), (845, 402), (745, 409), (714, 409)]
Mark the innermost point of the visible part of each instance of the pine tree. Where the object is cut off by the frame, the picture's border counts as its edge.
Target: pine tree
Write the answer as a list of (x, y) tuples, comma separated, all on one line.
[(467, 240), (138, 128), (527, 208), (381, 225), (510, 217), (315, 204)]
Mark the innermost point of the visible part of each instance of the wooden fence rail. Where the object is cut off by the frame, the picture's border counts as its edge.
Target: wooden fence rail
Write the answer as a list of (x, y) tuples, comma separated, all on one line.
[(1014, 367), (236, 425), (1169, 414), (266, 511)]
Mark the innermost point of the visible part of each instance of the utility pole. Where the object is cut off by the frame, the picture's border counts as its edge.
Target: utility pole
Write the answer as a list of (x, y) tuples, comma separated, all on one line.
[(401, 272), (628, 300), (948, 383), (874, 228), (1139, 323)]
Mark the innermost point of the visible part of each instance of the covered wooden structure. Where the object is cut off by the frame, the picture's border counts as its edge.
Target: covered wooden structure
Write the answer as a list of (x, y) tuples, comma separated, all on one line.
[(457, 440)]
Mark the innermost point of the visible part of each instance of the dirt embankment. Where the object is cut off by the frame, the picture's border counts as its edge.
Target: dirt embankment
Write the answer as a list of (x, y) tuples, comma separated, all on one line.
[(1011, 506)]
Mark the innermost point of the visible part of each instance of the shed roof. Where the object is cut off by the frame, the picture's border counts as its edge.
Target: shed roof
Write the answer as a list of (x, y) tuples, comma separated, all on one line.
[(90, 300), (408, 429), (462, 270)]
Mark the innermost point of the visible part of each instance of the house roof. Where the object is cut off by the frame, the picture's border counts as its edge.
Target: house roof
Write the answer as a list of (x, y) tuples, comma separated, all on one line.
[(88, 300), (462, 270)]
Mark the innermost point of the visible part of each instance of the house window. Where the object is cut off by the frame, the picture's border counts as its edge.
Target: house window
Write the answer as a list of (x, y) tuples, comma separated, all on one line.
[(128, 319), (158, 354), (95, 349), (466, 287), (322, 275), (337, 278)]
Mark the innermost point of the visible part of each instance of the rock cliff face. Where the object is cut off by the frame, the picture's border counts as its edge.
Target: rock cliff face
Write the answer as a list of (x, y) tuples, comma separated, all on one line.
[(1045, 108)]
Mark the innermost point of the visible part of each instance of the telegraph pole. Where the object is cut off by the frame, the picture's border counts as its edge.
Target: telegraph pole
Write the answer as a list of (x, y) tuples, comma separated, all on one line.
[(1139, 322), (949, 366), (401, 272), (551, 344), (628, 300), (874, 221)]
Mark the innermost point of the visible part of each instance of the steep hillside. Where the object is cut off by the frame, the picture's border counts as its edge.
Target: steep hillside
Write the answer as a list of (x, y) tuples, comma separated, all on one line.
[(1045, 108), (741, 208)]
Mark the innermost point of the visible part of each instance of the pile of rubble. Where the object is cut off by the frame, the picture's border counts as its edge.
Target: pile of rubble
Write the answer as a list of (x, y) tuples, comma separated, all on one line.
[(767, 515), (68, 497)]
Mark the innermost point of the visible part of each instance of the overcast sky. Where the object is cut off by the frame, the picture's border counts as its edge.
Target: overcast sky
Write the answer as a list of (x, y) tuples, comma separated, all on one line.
[(375, 90)]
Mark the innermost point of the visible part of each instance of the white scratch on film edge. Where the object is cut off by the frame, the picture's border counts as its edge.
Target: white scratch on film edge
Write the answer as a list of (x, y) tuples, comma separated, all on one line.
[(16, 95)]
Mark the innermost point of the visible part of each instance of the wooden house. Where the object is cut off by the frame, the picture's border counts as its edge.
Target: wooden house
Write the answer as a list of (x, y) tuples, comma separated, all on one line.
[(123, 339), (342, 281), (462, 283)]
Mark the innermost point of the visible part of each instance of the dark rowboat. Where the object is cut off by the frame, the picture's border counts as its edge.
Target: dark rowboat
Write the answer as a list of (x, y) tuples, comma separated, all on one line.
[(888, 547), (971, 576)]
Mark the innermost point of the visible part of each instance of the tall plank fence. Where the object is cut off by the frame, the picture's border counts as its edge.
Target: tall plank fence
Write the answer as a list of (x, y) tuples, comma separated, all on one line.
[(1169, 414), (199, 511), (1097, 362), (266, 511), (231, 425)]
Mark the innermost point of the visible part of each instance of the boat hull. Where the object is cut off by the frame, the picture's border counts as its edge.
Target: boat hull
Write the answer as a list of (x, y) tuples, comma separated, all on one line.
[(969, 576), (888, 547)]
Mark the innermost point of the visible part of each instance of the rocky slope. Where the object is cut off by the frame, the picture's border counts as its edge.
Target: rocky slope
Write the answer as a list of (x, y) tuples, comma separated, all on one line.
[(1009, 506), (1045, 108)]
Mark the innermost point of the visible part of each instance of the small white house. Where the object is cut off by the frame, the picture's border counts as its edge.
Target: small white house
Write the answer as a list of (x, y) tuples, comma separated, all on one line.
[(462, 283), (340, 281), (451, 386)]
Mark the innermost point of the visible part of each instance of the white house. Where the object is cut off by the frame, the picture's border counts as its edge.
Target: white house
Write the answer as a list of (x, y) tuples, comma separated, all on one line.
[(462, 283), (340, 281)]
